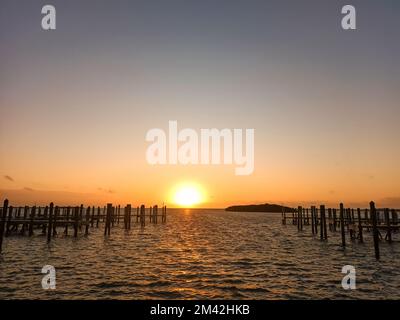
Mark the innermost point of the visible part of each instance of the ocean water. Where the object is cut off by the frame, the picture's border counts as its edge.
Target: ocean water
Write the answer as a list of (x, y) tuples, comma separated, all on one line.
[(199, 254)]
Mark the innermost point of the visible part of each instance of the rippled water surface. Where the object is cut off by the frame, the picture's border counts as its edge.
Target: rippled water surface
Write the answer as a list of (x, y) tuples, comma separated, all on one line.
[(199, 254)]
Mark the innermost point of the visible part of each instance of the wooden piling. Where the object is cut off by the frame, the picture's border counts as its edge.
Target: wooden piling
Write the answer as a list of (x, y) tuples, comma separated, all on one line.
[(32, 218), (92, 218), (341, 213), (155, 213), (330, 219), (76, 221), (87, 221), (334, 219), (45, 214), (50, 222), (360, 228), (129, 210), (67, 212), (374, 229), (299, 211), (142, 215), (107, 229), (9, 219), (315, 220), (301, 218), (3, 222), (98, 217), (323, 233), (55, 218), (388, 236), (312, 220)]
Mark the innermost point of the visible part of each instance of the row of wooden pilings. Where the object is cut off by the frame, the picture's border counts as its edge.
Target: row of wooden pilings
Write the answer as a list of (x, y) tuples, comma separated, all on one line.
[(350, 220), (22, 220)]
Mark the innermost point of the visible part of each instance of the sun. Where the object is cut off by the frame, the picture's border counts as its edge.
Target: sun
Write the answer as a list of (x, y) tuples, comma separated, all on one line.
[(188, 195)]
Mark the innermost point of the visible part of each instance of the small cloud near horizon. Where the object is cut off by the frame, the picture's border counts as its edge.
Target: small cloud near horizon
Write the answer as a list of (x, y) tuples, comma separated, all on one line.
[(106, 190), (7, 177), (28, 189)]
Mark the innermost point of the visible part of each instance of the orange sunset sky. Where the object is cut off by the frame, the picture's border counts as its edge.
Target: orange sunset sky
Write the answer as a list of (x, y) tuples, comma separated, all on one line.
[(76, 102)]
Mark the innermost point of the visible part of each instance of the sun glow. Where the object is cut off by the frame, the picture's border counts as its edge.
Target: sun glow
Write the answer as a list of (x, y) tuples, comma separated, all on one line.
[(188, 195)]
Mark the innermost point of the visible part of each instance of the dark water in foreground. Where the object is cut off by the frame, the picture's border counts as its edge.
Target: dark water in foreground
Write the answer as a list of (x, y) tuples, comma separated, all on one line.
[(199, 254)]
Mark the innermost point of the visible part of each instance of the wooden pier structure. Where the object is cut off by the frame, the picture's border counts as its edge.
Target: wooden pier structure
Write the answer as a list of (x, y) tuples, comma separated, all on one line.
[(51, 220), (383, 223)]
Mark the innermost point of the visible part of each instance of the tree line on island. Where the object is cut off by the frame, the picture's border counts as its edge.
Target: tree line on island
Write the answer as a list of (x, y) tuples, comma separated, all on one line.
[(266, 207)]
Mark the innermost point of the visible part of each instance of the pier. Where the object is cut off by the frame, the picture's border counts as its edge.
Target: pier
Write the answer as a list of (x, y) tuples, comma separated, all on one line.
[(351, 223), (52, 220)]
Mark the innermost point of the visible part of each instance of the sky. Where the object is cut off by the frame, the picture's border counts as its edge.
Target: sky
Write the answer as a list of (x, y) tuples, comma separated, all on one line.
[(76, 102)]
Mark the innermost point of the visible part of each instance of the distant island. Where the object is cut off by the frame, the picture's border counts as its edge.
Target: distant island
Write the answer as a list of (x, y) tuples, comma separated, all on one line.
[(266, 207)]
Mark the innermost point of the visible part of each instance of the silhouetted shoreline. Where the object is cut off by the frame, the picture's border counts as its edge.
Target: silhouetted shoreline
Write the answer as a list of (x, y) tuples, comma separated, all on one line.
[(266, 207)]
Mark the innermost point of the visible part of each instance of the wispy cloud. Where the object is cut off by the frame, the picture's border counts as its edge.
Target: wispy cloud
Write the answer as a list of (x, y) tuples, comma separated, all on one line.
[(106, 190), (7, 177), (28, 189)]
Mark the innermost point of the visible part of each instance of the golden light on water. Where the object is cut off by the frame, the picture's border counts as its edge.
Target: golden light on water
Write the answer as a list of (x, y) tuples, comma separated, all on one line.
[(188, 195)]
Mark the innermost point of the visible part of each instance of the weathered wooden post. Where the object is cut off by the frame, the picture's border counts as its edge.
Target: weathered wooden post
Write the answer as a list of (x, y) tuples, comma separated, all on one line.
[(150, 213), (3, 222), (98, 217), (32, 218), (112, 216), (45, 214), (315, 220), (142, 215), (55, 218), (312, 220), (68, 209), (299, 210), (50, 222), (126, 218), (92, 218), (9, 218), (334, 220), (360, 228), (155, 213), (324, 234), (80, 216), (341, 213), (107, 229), (129, 209), (76, 221), (389, 231), (301, 218), (87, 221), (374, 229)]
